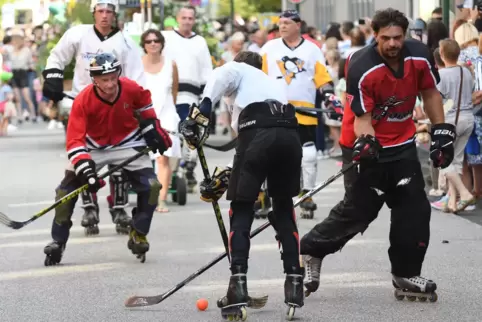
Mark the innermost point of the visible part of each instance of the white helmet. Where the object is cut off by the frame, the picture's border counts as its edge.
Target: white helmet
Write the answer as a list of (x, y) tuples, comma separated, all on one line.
[(113, 4)]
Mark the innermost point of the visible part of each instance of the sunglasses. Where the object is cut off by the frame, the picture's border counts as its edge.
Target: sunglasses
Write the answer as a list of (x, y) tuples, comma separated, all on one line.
[(151, 41)]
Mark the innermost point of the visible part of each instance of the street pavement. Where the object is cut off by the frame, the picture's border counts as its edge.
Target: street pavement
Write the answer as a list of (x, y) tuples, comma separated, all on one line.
[(98, 273)]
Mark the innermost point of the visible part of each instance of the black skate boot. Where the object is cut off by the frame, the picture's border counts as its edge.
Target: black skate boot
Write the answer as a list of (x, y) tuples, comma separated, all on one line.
[(308, 207), (413, 288), (138, 244), (53, 251), (262, 206), (312, 267), (233, 305), (121, 220), (90, 220), (294, 296)]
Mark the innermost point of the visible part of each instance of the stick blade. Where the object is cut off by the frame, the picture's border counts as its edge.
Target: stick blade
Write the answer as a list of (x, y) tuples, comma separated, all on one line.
[(10, 223), (139, 301), (257, 302)]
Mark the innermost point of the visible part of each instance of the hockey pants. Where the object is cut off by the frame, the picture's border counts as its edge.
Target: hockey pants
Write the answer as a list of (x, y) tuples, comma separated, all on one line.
[(144, 183), (400, 185)]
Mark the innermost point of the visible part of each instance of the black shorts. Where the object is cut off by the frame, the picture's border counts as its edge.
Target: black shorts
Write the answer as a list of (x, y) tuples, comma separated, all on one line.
[(20, 78), (266, 153), (307, 133)]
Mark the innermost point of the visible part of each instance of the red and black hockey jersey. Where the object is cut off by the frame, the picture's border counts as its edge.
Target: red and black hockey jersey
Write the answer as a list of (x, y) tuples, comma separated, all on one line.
[(97, 124), (372, 86)]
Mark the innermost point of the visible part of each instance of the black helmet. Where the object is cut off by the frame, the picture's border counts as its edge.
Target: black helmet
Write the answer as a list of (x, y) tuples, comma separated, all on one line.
[(103, 64)]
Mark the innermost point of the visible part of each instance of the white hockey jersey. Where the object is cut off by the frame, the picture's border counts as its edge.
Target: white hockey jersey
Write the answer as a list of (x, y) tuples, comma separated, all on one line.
[(83, 42), (301, 70), (193, 61)]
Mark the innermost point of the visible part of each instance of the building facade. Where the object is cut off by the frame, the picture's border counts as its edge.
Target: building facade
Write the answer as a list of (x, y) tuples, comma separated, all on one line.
[(320, 13)]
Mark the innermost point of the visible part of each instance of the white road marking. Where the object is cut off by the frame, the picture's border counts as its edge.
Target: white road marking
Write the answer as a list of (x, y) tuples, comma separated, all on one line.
[(46, 231), (72, 241), (58, 270)]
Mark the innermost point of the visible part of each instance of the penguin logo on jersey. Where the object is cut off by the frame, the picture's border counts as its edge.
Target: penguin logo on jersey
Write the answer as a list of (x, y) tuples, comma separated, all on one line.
[(289, 67)]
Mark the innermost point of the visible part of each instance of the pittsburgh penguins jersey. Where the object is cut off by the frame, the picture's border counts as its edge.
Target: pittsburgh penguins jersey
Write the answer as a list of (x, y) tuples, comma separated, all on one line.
[(84, 42), (301, 70)]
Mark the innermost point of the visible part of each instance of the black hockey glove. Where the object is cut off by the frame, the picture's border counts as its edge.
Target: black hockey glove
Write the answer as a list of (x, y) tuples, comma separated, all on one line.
[(85, 170), (213, 189), (334, 107), (366, 149), (442, 146), (53, 84), (195, 128), (156, 137)]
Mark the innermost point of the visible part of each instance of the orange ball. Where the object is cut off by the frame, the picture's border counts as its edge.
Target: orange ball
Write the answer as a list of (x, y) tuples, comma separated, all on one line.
[(202, 304)]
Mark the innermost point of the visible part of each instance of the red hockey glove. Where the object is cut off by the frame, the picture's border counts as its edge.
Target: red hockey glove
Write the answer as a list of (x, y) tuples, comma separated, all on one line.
[(85, 170), (366, 149), (156, 137)]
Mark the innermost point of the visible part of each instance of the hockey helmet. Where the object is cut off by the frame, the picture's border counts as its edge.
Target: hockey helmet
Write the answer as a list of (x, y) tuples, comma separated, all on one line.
[(103, 64), (112, 4)]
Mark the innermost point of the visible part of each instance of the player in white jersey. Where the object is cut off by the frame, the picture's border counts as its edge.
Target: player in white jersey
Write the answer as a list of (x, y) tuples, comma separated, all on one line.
[(191, 54), (269, 148), (83, 43), (299, 66)]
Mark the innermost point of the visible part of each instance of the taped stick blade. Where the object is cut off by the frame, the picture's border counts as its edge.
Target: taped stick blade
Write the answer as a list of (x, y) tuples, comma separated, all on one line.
[(139, 301), (10, 223), (257, 302)]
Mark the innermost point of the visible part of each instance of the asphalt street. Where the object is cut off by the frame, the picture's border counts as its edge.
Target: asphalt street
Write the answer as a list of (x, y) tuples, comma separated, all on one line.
[(98, 273)]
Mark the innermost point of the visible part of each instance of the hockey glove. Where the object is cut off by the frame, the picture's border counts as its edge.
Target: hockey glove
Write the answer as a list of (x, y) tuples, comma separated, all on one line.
[(442, 146), (53, 84), (334, 107), (366, 149), (213, 190), (156, 137), (195, 128), (85, 170)]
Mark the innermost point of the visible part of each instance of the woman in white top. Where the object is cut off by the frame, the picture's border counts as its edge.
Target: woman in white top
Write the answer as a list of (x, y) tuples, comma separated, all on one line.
[(162, 81)]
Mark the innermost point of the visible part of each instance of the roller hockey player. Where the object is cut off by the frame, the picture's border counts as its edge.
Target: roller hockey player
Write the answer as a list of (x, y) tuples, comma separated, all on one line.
[(110, 120), (383, 81), (191, 53), (83, 42), (299, 65), (268, 148)]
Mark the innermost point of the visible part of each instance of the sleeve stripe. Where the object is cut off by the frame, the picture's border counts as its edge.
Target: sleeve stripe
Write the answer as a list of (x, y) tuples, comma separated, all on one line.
[(74, 153), (362, 103), (145, 108)]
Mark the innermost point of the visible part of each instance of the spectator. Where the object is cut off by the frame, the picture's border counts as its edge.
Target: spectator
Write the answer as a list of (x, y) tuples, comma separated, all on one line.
[(345, 29), (258, 39), (450, 86), (467, 37), (22, 62), (357, 40), (437, 14), (436, 31)]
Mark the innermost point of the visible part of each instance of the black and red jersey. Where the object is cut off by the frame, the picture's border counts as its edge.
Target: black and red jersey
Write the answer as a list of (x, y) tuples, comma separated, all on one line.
[(373, 87)]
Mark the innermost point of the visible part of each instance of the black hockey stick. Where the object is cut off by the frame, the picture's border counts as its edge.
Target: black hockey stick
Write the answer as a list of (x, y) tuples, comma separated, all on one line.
[(19, 224), (217, 210), (137, 301), (223, 148), (313, 109)]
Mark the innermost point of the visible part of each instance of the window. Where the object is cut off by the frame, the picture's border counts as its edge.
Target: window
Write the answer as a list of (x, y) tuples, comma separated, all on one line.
[(361, 8), (326, 8)]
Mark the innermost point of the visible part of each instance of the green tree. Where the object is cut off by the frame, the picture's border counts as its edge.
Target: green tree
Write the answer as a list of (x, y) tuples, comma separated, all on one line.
[(266, 5), (246, 8), (80, 13)]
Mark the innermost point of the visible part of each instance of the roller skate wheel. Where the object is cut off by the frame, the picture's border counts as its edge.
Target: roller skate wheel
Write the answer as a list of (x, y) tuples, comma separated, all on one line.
[(142, 258), (307, 293), (433, 297), (398, 296), (47, 261), (290, 314), (422, 298), (411, 298)]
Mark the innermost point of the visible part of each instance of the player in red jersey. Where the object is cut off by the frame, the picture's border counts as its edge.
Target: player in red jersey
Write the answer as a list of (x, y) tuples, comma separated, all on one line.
[(383, 81), (111, 120)]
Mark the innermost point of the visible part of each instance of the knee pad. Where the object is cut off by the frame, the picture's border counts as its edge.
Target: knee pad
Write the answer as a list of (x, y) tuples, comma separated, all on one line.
[(88, 199), (119, 189), (309, 166)]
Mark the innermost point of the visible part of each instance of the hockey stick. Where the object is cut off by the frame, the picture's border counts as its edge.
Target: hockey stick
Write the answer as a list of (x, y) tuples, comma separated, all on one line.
[(217, 210), (223, 148), (313, 109), (19, 224), (137, 301)]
